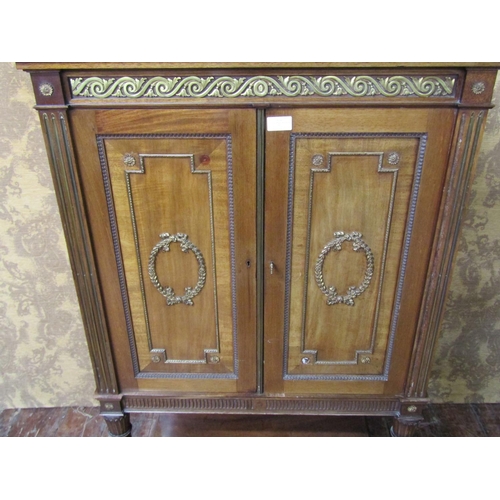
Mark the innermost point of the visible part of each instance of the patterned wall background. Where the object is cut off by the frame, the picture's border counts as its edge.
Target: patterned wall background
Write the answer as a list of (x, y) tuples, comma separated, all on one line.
[(466, 364), (43, 352)]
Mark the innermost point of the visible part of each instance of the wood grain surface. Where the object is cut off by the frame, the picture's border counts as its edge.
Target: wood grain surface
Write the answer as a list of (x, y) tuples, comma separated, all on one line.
[(344, 202), (171, 198), (349, 194), (187, 65)]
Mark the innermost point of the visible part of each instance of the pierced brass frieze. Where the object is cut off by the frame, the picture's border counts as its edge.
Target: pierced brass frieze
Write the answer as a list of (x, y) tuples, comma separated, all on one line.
[(262, 86)]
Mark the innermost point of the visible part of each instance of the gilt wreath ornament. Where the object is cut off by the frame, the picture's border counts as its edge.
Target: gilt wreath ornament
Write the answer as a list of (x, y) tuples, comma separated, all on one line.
[(358, 245), (186, 246)]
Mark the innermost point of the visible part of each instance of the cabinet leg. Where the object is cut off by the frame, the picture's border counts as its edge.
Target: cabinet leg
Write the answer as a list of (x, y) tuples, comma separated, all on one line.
[(404, 427), (118, 424)]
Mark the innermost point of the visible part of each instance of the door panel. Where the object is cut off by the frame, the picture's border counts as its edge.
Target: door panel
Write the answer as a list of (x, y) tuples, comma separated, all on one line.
[(349, 196), (178, 269), (182, 234), (350, 185)]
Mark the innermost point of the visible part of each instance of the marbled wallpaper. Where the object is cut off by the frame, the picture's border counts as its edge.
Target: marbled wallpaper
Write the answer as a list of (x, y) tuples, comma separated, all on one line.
[(43, 351)]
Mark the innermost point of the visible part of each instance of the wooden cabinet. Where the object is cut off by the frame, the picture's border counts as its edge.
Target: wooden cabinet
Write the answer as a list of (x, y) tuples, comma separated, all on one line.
[(262, 238)]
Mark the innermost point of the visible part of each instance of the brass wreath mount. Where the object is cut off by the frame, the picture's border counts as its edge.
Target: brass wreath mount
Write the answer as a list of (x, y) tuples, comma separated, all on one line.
[(336, 245), (168, 292)]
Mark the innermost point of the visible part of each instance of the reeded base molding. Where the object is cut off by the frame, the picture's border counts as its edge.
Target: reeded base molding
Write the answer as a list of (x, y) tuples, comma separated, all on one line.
[(262, 405)]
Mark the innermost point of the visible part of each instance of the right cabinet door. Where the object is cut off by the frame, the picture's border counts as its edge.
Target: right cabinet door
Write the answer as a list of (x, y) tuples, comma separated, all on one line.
[(351, 204)]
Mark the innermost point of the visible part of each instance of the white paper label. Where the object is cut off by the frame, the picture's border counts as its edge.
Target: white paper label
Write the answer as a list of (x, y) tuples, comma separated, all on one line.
[(275, 123)]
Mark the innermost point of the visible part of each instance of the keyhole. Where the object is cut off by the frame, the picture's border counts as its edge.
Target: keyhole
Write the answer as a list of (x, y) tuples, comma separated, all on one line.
[(248, 263)]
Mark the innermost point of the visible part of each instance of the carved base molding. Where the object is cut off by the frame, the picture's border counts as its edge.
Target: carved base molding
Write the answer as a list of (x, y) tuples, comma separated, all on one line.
[(262, 405)]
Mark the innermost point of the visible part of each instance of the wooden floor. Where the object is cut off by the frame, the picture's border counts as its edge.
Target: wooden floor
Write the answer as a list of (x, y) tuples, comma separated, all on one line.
[(441, 420)]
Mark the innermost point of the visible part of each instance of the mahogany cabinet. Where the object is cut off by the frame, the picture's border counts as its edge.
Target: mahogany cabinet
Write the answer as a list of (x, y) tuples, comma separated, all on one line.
[(262, 238)]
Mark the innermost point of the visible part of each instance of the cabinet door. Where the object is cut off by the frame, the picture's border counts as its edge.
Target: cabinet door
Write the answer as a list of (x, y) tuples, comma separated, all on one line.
[(171, 206), (352, 198)]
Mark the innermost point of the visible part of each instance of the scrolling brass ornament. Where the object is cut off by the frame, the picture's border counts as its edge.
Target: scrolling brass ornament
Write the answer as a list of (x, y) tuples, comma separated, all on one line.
[(353, 291), (186, 245)]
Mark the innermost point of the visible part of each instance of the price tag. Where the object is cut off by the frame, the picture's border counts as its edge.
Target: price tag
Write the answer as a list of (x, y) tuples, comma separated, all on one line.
[(277, 123)]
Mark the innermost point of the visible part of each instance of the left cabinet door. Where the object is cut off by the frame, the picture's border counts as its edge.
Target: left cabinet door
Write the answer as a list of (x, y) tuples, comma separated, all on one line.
[(170, 201)]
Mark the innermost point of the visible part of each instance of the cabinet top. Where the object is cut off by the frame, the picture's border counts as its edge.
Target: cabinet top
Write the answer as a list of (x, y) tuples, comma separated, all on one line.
[(34, 66), (263, 84)]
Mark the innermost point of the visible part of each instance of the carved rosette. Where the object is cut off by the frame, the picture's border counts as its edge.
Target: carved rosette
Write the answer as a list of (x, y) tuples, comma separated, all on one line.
[(186, 246), (478, 88), (46, 89), (393, 158), (358, 245), (129, 160)]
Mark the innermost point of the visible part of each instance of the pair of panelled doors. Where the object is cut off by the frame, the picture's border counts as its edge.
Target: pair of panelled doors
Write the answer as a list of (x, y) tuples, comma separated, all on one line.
[(235, 259)]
